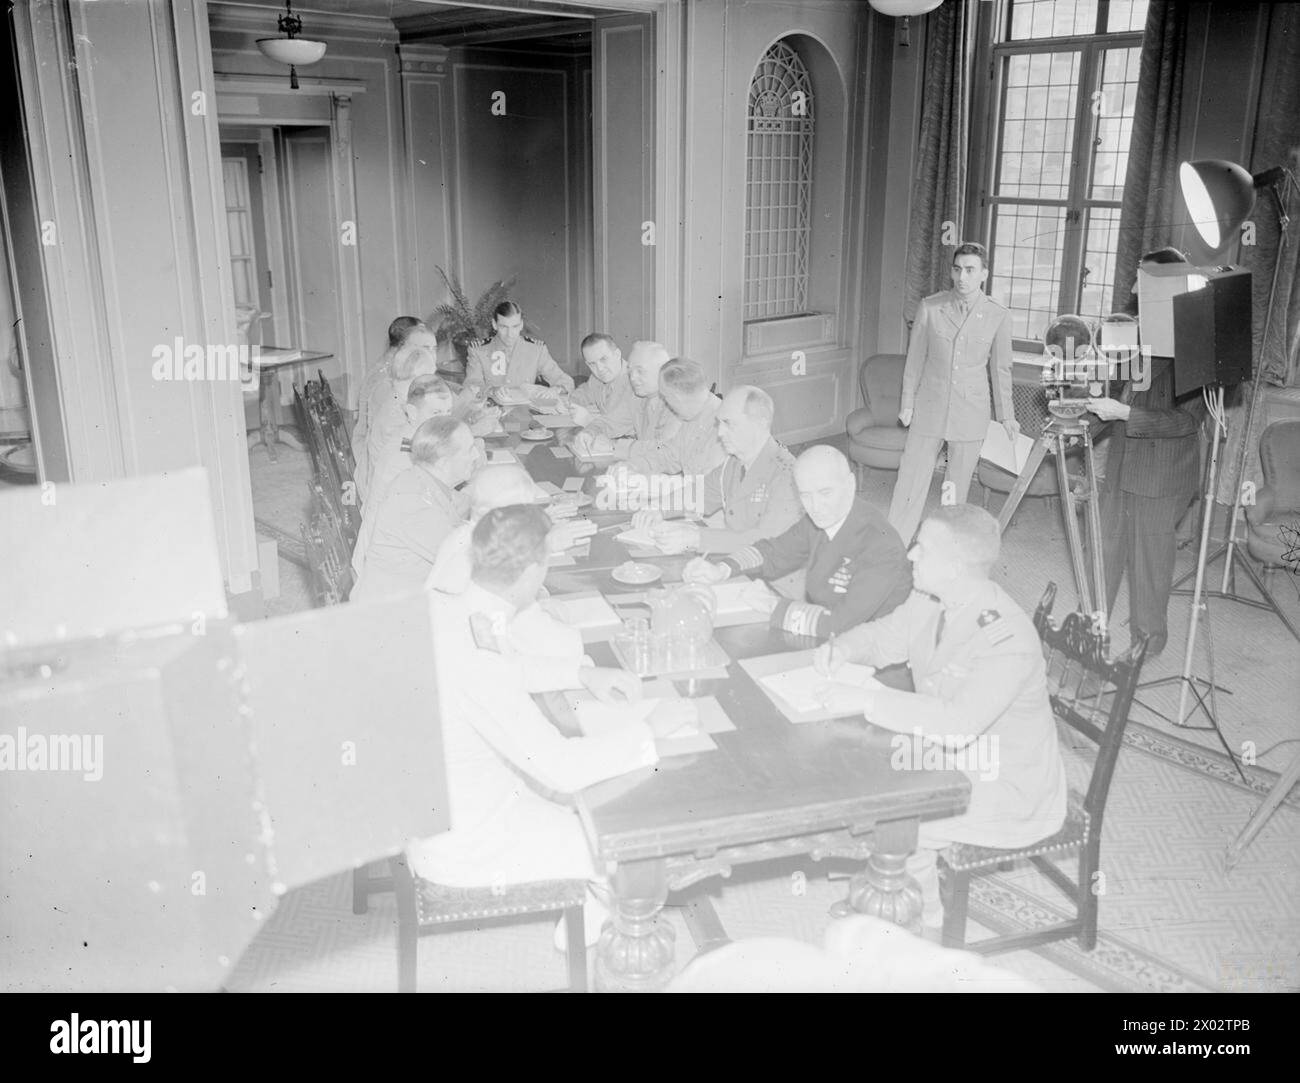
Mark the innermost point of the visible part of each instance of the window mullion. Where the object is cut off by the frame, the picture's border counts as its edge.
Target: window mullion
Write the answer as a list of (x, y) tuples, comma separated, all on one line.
[(1085, 133)]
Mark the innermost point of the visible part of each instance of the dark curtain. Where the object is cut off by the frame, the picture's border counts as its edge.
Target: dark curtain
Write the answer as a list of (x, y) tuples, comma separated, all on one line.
[(1277, 358), (942, 153), (1151, 197)]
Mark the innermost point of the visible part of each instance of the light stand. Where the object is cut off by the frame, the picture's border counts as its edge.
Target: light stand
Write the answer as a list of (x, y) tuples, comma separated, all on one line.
[(1278, 181), (1185, 681)]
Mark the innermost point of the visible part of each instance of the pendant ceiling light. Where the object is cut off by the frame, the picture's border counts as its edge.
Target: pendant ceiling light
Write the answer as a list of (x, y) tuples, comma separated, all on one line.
[(291, 49), (904, 8)]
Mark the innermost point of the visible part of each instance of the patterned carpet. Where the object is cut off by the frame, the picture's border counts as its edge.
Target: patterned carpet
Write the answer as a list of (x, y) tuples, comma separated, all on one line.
[(1171, 917)]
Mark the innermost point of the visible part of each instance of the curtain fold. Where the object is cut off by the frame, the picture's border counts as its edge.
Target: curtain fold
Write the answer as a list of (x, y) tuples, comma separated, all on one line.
[(942, 155), (1151, 197)]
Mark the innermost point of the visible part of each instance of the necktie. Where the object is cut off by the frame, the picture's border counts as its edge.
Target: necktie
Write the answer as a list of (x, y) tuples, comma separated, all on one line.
[(938, 628)]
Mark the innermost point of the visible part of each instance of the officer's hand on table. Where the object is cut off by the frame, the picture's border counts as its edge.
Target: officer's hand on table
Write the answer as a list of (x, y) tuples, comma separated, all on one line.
[(759, 596), (676, 537), (646, 521), (580, 414), (829, 657), (565, 535), (699, 571), (610, 685), (1013, 428), (905, 416), (674, 718), (1109, 409)]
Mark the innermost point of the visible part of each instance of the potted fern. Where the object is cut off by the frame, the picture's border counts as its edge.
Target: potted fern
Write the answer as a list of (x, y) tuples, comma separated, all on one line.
[(460, 322)]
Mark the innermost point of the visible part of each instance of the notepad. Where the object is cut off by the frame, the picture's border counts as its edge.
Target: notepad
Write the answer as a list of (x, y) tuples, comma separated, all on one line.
[(805, 689), (732, 607), (573, 485), (595, 717), (554, 421), (999, 450), (501, 457), (562, 453)]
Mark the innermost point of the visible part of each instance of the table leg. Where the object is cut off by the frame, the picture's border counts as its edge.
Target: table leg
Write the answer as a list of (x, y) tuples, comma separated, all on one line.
[(268, 409), (635, 953), (884, 888)]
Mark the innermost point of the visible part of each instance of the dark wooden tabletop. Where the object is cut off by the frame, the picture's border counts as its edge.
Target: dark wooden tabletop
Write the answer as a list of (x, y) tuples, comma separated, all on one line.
[(769, 778)]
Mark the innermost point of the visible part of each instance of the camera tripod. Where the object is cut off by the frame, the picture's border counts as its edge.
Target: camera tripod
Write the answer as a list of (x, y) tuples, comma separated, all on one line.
[(1059, 433)]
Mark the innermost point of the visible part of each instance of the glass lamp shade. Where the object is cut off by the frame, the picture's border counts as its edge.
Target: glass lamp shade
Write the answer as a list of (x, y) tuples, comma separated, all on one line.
[(296, 52), (904, 7), (1219, 195)]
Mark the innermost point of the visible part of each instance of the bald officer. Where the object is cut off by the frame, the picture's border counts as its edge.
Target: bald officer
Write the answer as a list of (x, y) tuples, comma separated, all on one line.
[(694, 449), (856, 566), (751, 496), (510, 357), (977, 665), (961, 339)]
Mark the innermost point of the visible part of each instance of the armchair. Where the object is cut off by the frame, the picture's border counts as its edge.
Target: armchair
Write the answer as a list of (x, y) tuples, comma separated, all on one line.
[(1273, 521), (876, 436)]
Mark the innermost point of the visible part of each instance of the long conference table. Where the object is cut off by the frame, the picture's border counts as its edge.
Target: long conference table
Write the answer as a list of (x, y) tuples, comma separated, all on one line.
[(771, 789)]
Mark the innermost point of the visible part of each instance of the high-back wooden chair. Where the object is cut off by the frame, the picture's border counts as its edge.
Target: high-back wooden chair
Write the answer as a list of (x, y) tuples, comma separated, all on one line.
[(424, 907), (1092, 694)]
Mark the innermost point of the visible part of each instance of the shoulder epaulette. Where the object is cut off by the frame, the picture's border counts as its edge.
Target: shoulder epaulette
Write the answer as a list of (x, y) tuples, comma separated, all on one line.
[(480, 341), (534, 341), (994, 627)]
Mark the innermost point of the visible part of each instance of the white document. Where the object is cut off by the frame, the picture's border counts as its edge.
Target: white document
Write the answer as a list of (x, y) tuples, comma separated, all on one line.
[(589, 612), (731, 600), (999, 451), (501, 457), (807, 690)]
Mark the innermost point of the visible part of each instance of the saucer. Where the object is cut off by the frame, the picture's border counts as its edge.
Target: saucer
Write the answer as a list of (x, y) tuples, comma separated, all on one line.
[(536, 434), (635, 573)]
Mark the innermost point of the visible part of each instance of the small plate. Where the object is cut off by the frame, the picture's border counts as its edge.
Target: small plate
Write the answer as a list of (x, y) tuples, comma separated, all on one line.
[(536, 434), (635, 573)]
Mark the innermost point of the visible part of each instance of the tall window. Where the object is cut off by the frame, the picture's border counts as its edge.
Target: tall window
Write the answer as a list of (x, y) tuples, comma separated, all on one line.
[(778, 188), (1064, 83)]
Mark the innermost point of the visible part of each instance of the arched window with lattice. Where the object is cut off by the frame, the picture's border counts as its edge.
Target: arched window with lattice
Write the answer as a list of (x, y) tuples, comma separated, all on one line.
[(778, 186)]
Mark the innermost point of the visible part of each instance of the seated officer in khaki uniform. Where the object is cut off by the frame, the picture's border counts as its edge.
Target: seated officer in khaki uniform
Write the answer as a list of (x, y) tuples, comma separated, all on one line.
[(981, 693), (510, 357), (961, 340), (605, 406), (751, 496)]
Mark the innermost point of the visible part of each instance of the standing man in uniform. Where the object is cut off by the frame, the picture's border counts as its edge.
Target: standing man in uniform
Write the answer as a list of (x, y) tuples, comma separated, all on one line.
[(510, 357), (856, 568), (605, 406), (977, 666), (752, 493), (961, 339)]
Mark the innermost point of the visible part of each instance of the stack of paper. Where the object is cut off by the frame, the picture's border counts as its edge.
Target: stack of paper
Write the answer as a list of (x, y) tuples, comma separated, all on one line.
[(501, 457), (582, 611)]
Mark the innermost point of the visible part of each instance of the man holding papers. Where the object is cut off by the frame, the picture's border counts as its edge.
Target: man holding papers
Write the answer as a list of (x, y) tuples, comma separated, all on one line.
[(856, 568), (977, 666), (498, 745), (961, 339)]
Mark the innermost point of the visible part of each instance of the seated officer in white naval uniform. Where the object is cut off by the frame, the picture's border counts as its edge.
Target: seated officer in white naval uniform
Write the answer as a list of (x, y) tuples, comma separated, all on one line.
[(500, 749), (751, 496), (981, 693), (510, 357)]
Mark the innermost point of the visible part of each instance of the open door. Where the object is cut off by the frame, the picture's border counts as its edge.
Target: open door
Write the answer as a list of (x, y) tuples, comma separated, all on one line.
[(623, 195)]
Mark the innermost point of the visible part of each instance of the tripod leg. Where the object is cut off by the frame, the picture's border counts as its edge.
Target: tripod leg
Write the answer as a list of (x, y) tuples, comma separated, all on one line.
[(1021, 486), (1275, 797), (1072, 533), (1269, 600), (1094, 529)]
